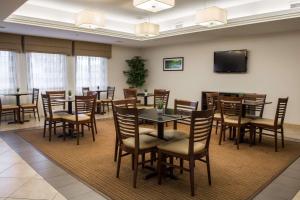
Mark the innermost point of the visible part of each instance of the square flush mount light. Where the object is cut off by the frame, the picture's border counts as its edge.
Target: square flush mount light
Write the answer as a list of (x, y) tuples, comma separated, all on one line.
[(154, 5), (147, 29), (212, 16)]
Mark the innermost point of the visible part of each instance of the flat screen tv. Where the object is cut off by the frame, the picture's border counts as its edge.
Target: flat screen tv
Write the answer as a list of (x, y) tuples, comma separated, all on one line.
[(234, 61)]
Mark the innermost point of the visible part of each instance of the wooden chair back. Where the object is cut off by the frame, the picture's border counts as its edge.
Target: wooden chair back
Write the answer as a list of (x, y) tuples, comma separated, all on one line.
[(57, 95), (256, 110), (130, 93), (200, 129), (231, 107), (85, 90), (47, 107), (280, 111), (161, 95), (35, 96), (127, 124), (183, 107), (212, 101), (110, 92), (85, 104)]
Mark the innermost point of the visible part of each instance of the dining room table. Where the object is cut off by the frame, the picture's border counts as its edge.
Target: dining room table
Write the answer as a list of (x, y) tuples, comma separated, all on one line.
[(145, 96), (98, 91), (18, 95)]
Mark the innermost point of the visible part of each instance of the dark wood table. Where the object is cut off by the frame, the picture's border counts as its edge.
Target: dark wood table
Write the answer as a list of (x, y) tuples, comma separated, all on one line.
[(145, 96), (99, 97), (69, 101), (151, 115), (18, 103)]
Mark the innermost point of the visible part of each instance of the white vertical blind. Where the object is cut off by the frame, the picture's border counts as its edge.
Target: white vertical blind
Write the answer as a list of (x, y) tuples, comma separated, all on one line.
[(8, 73), (46, 71), (91, 72)]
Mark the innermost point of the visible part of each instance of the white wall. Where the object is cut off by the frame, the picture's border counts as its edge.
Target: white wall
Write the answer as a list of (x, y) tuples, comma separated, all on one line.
[(273, 68)]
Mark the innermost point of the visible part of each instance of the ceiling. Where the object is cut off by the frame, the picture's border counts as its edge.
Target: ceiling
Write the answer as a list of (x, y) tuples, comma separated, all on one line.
[(55, 18)]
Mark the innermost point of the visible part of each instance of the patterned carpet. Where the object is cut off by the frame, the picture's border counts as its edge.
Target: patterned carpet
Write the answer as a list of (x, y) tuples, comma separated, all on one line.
[(236, 174)]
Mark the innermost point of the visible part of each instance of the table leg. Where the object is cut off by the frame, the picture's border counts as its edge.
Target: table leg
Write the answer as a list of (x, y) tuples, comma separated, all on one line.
[(145, 100), (160, 130)]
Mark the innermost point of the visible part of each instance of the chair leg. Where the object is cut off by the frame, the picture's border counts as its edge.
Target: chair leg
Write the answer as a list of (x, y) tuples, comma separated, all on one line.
[(50, 130), (217, 126), (132, 161), (192, 169), (45, 125), (136, 160), (282, 137), (143, 160), (77, 127), (38, 114), (23, 114), (33, 110), (116, 149), (64, 130), (208, 168), (95, 124), (275, 132), (171, 168), (93, 131), (159, 167), (221, 134), (54, 128), (181, 166), (119, 161), (260, 134), (238, 138)]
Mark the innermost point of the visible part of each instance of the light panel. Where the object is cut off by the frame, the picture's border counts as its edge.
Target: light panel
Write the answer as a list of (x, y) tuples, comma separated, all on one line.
[(212, 16), (154, 5), (147, 29), (90, 20)]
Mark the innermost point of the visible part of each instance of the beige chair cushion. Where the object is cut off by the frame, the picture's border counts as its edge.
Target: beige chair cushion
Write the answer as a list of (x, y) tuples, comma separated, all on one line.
[(146, 142), (181, 147), (106, 100), (58, 116), (172, 135), (142, 107), (143, 130), (268, 122), (217, 116), (9, 107), (31, 105), (234, 120), (81, 118)]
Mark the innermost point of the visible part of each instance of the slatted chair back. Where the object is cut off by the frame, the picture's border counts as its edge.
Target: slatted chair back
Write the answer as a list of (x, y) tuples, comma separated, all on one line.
[(200, 129), (231, 107), (183, 107), (91, 93), (46, 101), (280, 111), (57, 95), (255, 110), (85, 105), (127, 124), (85, 90), (161, 95), (130, 93), (110, 92), (35, 96), (212, 101)]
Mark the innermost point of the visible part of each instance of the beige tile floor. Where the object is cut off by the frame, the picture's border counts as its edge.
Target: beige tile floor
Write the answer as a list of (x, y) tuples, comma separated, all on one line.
[(19, 181)]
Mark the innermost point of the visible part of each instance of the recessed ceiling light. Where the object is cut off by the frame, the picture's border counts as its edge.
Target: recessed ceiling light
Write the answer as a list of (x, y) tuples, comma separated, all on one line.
[(154, 5)]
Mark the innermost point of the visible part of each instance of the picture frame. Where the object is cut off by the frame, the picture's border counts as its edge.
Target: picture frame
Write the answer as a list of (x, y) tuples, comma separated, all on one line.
[(173, 64)]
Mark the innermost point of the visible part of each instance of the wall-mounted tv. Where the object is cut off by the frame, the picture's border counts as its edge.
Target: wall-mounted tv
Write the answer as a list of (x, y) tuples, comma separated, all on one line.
[(234, 61)]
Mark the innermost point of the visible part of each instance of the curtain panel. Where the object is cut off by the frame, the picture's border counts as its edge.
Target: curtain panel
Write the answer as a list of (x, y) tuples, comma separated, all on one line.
[(8, 72)]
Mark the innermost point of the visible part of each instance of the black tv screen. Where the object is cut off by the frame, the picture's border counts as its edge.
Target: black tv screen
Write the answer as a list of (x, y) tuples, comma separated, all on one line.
[(234, 61)]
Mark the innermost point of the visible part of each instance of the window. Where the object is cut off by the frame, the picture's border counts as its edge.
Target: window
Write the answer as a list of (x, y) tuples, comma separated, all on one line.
[(91, 72), (8, 73), (46, 71)]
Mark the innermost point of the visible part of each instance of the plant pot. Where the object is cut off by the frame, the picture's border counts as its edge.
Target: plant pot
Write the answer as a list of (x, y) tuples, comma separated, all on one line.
[(160, 111)]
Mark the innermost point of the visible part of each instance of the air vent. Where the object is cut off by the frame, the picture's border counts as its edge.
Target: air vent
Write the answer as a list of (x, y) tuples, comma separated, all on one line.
[(295, 5)]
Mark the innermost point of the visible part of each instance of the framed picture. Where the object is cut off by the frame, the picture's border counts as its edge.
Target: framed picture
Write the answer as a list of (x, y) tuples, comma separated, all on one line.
[(174, 64)]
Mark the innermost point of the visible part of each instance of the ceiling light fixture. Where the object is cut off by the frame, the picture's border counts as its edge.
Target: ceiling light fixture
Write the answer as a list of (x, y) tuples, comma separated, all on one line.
[(90, 20), (154, 5), (212, 16), (147, 29)]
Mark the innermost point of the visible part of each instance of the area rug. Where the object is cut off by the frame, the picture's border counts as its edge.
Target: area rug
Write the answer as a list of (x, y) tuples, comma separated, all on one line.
[(236, 174)]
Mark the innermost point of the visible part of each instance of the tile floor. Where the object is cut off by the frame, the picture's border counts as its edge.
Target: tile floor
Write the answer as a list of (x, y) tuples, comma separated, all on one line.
[(26, 174)]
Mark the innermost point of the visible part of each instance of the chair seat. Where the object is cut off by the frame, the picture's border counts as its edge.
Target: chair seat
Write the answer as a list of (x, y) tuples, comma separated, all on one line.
[(264, 122), (72, 118), (30, 105), (181, 147), (143, 130), (234, 120), (9, 107), (58, 116), (217, 116), (143, 107), (146, 142), (106, 100), (172, 135)]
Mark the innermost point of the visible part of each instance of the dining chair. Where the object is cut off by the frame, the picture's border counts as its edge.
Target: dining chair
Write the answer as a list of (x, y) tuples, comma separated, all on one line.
[(255, 111), (51, 119), (212, 104), (131, 142), (84, 115), (196, 147), (110, 94), (131, 93), (276, 125), (56, 105), (231, 116), (33, 107), (8, 110), (161, 95), (126, 103), (93, 93), (85, 90)]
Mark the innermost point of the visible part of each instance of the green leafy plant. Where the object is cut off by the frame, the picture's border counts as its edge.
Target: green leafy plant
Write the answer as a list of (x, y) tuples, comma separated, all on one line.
[(137, 73), (18, 89), (70, 93), (160, 105)]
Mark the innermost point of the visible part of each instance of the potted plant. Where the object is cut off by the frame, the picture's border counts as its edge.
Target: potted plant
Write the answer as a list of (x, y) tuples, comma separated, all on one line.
[(70, 94), (160, 107), (145, 92), (98, 87), (137, 73), (18, 90)]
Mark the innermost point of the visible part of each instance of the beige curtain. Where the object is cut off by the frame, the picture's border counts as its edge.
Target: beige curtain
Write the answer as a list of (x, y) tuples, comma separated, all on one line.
[(10, 42), (91, 49)]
